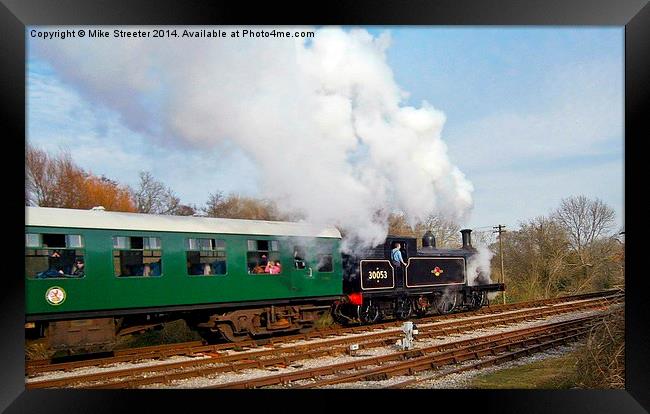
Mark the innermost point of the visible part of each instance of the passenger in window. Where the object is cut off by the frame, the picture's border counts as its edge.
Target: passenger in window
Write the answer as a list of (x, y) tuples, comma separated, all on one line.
[(206, 269), (298, 260), (273, 268), (78, 268), (146, 270), (269, 266), (258, 269), (56, 263), (265, 261), (219, 267)]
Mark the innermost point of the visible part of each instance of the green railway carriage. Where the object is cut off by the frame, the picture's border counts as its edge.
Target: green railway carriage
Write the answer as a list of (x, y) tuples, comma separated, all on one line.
[(91, 274)]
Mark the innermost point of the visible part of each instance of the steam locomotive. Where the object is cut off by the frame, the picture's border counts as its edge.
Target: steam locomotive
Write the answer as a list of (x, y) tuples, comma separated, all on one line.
[(94, 275), (433, 280)]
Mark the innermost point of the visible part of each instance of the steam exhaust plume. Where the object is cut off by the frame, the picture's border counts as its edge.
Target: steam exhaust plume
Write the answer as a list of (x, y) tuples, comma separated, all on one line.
[(479, 268), (322, 119)]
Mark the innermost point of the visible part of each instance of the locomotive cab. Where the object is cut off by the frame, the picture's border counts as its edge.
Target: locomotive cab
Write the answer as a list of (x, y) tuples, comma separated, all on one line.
[(408, 247)]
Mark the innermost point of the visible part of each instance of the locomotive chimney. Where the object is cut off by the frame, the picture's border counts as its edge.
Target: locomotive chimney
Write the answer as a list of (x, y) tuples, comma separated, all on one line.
[(467, 238), (429, 240)]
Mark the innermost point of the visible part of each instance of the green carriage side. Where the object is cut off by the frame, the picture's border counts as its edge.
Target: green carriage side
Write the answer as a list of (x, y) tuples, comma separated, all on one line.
[(208, 271)]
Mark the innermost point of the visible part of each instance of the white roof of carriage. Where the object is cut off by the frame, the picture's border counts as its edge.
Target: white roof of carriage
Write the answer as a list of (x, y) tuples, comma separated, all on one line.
[(98, 219)]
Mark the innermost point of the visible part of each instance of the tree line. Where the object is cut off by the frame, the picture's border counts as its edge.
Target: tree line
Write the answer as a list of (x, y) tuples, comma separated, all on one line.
[(56, 181), (575, 248)]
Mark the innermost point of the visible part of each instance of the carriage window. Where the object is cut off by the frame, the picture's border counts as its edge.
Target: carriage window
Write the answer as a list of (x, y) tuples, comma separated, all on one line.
[(73, 241), (299, 257), (32, 240), (205, 256), (54, 240), (137, 256), (263, 257), (120, 242), (54, 256), (324, 263)]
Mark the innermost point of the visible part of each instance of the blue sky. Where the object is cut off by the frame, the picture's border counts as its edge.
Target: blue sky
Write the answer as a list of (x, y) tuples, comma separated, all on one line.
[(532, 115)]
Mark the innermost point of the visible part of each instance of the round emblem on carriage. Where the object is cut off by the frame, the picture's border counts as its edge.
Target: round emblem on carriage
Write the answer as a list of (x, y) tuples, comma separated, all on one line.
[(55, 295)]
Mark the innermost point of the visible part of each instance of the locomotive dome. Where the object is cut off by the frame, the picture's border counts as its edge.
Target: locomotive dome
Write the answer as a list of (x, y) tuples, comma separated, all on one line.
[(100, 219)]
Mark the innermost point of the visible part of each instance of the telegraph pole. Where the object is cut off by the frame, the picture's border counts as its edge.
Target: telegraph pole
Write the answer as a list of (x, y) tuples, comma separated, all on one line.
[(501, 229)]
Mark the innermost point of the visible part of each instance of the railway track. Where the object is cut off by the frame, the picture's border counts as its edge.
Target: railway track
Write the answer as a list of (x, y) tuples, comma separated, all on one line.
[(527, 339), (409, 362), (198, 348), (283, 356)]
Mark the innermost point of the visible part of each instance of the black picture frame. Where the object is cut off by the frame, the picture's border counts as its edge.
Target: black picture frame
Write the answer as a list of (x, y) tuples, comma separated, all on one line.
[(15, 15)]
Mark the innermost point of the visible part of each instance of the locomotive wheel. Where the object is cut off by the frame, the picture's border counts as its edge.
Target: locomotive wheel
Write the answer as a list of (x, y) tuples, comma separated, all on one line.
[(368, 313), (446, 304), (403, 308), (479, 299)]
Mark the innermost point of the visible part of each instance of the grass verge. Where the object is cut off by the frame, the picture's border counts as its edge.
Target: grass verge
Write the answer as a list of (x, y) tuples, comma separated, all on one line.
[(550, 373)]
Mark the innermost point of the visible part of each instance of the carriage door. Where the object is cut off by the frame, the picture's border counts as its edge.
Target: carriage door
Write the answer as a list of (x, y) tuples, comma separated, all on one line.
[(302, 270)]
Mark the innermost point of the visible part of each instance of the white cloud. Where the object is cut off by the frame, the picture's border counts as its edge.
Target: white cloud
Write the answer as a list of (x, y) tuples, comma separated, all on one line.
[(504, 195), (580, 108)]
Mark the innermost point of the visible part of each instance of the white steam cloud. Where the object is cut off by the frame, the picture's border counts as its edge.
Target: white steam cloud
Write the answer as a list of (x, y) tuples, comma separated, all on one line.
[(478, 268), (323, 119)]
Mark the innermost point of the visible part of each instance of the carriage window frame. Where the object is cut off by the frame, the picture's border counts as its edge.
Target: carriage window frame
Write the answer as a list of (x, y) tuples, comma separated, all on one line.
[(317, 252), (215, 247), (39, 240), (129, 247), (273, 247), (331, 256), (39, 247)]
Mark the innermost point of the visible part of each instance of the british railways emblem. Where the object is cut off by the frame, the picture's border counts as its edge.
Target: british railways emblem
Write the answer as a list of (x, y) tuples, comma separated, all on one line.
[(55, 295)]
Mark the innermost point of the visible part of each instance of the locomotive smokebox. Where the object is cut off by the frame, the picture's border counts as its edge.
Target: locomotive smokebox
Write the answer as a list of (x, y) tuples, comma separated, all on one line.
[(467, 238), (429, 240)]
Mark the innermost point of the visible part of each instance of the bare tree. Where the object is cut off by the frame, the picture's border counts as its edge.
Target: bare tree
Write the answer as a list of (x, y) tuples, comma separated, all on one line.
[(153, 197), (534, 258), (55, 181), (186, 210), (213, 207), (239, 207), (398, 226), (446, 231), (585, 220), (41, 177)]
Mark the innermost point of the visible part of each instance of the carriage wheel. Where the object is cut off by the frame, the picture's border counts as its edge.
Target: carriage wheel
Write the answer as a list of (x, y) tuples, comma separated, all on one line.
[(228, 333)]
